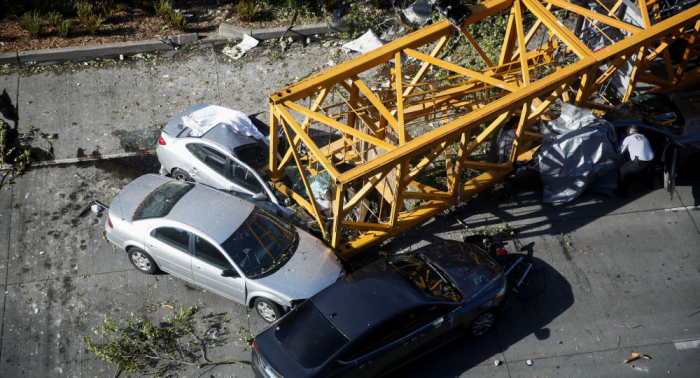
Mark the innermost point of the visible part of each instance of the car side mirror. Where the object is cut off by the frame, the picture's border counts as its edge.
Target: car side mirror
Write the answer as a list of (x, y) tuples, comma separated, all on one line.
[(230, 273), (260, 197)]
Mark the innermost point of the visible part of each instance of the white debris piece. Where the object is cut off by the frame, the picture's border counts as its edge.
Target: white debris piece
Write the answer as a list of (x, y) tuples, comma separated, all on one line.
[(240, 49), (497, 362), (529, 362), (367, 42), (419, 12)]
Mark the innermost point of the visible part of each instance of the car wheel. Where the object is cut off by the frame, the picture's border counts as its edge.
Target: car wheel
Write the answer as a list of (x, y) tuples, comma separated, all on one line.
[(268, 310), (180, 175), (142, 261), (482, 324)]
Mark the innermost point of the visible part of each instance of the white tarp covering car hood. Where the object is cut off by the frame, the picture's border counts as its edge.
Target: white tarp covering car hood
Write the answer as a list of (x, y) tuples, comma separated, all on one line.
[(202, 120), (582, 156)]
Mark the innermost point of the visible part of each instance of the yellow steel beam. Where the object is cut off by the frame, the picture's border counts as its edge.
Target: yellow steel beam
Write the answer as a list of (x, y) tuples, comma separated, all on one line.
[(461, 70), (320, 157), (383, 54), (595, 16), (525, 69), (307, 186), (558, 28), (339, 126)]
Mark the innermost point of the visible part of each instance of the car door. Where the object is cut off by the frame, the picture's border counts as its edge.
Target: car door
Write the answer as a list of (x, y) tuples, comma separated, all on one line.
[(169, 247), (209, 167), (430, 327), (208, 265), (243, 179), (377, 351)]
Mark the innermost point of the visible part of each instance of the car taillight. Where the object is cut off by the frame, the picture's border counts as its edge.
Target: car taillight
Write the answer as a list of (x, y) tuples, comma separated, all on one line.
[(255, 345), (109, 222), (161, 141), (501, 252)]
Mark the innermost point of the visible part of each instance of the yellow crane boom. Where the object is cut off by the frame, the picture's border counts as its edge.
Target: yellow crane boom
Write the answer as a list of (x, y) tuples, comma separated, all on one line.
[(398, 134)]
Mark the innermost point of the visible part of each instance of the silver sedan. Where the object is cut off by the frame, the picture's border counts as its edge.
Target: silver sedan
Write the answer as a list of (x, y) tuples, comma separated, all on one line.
[(219, 242), (218, 147)]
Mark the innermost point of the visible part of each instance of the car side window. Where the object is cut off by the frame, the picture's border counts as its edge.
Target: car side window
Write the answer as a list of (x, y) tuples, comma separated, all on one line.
[(212, 158), (244, 177), (173, 237), (192, 147), (206, 252)]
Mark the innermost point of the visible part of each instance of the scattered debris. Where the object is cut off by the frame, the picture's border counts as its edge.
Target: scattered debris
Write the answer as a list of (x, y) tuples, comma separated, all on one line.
[(636, 356), (529, 362), (96, 207), (570, 245), (497, 362), (159, 304), (419, 12), (626, 326), (236, 52), (366, 43)]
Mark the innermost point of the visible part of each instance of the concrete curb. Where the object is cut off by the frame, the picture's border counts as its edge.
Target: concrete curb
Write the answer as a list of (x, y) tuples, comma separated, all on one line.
[(230, 31), (78, 53)]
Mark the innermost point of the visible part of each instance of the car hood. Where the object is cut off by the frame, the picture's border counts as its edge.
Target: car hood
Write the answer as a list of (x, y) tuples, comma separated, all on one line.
[(312, 268)]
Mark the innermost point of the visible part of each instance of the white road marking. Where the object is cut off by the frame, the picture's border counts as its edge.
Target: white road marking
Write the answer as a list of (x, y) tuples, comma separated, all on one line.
[(690, 344)]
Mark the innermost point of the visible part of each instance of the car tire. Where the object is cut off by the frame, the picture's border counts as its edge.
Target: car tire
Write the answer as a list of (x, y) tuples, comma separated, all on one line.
[(482, 324), (268, 310), (142, 261), (180, 175)]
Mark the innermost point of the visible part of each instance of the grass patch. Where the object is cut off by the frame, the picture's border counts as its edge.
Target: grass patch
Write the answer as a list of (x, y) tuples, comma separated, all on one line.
[(32, 23)]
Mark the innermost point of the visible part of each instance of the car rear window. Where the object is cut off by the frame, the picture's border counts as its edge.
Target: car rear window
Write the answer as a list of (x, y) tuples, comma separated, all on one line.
[(160, 201), (427, 279), (252, 154), (308, 336)]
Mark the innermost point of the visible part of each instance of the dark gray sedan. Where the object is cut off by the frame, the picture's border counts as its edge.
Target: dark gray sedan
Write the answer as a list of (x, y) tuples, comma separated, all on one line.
[(386, 315), (219, 242)]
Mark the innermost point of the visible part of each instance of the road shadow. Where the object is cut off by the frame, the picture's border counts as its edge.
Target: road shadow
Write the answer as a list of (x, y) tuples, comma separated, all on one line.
[(543, 296)]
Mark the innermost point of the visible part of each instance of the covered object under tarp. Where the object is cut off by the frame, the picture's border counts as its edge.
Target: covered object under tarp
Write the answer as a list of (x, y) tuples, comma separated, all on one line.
[(580, 153)]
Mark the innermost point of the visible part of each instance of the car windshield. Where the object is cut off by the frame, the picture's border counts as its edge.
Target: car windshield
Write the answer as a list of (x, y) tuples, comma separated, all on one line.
[(426, 277), (308, 336), (262, 243), (160, 201)]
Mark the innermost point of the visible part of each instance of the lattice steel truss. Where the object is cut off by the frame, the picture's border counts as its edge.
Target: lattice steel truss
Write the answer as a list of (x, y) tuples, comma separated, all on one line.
[(401, 134)]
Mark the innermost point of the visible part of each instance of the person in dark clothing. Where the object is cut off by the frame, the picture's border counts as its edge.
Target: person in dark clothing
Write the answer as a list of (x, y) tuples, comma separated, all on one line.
[(640, 157)]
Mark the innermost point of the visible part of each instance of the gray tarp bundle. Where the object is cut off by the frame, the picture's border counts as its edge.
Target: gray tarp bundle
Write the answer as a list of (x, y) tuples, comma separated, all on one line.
[(582, 156)]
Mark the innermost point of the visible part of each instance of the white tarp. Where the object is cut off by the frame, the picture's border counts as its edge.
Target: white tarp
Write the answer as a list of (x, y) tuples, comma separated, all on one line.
[(204, 119)]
